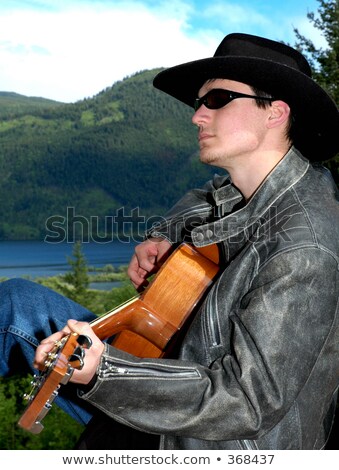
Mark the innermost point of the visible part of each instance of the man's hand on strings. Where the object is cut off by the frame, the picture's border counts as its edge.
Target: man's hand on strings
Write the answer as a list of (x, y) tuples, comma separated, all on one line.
[(147, 260), (91, 357)]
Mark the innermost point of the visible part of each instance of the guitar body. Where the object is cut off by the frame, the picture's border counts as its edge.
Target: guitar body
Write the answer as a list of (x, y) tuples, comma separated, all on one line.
[(144, 326)]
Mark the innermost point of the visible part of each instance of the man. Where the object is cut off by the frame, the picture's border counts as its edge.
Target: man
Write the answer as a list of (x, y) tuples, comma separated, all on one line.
[(259, 365)]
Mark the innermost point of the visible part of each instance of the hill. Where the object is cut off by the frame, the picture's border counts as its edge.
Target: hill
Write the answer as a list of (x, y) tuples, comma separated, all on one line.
[(126, 153), (98, 166), (13, 104)]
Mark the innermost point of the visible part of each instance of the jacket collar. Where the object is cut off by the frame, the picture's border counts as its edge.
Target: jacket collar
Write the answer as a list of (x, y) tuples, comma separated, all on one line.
[(235, 222)]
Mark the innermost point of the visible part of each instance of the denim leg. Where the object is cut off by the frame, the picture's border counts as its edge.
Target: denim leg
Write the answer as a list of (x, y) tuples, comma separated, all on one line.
[(29, 313)]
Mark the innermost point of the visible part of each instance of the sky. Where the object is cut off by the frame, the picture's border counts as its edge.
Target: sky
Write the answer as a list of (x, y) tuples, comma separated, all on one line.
[(68, 50)]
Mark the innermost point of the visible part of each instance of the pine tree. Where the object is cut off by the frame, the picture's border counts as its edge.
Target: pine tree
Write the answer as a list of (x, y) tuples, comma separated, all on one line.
[(77, 278), (324, 61)]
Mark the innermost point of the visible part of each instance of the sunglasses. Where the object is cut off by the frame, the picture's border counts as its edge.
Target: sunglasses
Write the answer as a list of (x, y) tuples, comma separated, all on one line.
[(218, 98)]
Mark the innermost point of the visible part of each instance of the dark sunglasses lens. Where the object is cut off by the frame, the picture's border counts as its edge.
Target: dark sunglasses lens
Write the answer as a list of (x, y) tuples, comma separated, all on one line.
[(217, 99), (214, 99)]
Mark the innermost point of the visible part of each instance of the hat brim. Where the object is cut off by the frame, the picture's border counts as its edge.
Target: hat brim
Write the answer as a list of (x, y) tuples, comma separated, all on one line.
[(316, 114)]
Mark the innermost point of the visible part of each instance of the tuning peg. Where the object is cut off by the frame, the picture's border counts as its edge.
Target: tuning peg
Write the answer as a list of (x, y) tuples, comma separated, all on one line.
[(84, 341), (79, 351), (76, 361)]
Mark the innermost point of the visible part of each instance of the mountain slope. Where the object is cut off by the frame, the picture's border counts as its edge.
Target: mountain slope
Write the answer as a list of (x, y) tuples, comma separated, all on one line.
[(129, 150), (13, 104)]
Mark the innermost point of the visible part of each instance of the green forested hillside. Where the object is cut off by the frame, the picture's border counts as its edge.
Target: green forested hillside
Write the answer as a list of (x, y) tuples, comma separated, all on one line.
[(129, 146), (14, 105)]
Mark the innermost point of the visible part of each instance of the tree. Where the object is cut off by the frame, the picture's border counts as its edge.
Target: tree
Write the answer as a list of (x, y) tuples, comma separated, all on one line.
[(77, 278), (325, 68), (325, 61), (60, 432)]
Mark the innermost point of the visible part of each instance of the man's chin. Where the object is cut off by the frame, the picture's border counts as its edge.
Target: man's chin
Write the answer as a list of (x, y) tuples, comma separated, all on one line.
[(207, 158)]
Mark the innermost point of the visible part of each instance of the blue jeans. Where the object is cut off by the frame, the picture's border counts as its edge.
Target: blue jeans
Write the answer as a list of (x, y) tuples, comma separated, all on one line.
[(29, 313)]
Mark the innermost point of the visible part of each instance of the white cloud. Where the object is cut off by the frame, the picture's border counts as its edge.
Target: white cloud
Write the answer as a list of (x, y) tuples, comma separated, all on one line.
[(307, 29), (74, 53), (71, 49)]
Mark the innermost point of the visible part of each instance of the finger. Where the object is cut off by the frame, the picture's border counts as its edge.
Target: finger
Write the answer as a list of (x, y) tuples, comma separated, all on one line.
[(133, 268), (84, 328), (80, 327), (147, 260), (92, 355), (137, 275), (42, 352), (56, 336), (146, 254)]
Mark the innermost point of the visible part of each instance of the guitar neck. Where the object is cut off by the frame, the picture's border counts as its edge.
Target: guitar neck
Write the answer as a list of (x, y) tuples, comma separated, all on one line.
[(109, 323)]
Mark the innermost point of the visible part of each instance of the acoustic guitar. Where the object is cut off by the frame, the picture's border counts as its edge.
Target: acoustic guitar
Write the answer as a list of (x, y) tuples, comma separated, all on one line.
[(145, 326)]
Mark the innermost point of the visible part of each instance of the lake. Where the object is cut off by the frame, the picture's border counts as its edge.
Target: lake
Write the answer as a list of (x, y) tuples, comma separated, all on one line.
[(41, 259)]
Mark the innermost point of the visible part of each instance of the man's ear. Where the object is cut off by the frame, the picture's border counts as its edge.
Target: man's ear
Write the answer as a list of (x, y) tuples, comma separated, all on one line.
[(279, 113)]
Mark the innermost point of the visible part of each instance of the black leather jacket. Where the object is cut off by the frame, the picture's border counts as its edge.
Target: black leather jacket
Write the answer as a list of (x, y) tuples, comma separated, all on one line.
[(259, 366)]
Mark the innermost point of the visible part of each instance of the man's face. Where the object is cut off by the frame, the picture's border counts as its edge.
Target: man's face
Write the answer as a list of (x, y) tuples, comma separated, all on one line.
[(230, 135)]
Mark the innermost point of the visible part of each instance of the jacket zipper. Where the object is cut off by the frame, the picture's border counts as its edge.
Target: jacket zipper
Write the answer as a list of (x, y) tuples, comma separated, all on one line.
[(132, 371), (212, 326), (247, 444)]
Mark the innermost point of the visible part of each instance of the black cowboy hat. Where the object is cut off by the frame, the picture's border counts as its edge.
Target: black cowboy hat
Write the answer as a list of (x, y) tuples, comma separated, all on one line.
[(272, 67)]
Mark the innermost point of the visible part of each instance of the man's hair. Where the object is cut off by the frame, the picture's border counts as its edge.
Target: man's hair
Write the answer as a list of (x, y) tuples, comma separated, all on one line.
[(265, 104)]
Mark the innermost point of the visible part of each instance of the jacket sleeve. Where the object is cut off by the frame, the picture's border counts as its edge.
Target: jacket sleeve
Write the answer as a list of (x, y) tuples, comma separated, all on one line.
[(277, 336), (193, 209)]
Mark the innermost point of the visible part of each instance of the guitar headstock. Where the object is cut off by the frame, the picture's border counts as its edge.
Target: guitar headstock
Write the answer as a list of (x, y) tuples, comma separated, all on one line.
[(66, 355)]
